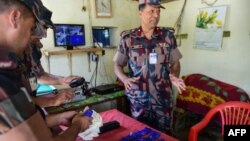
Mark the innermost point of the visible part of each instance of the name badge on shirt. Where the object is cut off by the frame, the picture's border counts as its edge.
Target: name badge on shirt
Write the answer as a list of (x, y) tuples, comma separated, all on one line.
[(33, 83), (152, 58)]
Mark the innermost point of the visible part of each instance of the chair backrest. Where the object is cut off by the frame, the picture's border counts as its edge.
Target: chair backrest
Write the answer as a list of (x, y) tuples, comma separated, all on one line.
[(231, 113)]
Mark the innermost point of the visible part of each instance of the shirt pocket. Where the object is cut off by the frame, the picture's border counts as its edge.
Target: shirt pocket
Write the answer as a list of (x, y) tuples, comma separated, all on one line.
[(138, 57), (162, 54), (162, 58)]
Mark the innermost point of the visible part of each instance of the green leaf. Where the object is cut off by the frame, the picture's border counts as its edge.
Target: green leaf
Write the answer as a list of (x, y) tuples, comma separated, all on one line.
[(204, 78), (225, 93), (243, 98), (211, 84), (240, 91), (217, 89), (198, 24)]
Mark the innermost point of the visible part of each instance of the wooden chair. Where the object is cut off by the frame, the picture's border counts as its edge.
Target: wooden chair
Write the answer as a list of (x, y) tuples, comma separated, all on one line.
[(231, 113)]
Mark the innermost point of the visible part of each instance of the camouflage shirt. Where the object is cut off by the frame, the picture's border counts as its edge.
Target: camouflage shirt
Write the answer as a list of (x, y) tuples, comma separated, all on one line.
[(15, 103), (135, 50), (29, 67)]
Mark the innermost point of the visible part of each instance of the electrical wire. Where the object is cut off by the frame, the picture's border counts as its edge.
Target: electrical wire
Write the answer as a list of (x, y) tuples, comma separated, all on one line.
[(92, 77), (177, 24), (97, 60)]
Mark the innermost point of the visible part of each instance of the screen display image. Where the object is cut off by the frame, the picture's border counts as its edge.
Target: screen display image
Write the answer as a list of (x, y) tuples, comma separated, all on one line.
[(69, 35), (101, 36)]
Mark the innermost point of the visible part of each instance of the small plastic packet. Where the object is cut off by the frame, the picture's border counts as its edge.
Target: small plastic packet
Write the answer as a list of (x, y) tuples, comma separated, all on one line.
[(94, 128), (146, 134), (137, 134), (88, 113)]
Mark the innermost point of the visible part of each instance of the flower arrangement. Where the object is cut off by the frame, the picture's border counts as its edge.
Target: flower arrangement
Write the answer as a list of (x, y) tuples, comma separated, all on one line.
[(203, 19)]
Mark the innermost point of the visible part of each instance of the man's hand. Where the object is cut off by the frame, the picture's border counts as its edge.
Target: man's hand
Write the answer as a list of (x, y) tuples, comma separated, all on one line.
[(83, 122), (66, 117), (79, 123), (65, 95), (60, 119), (129, 82), (3, 128), (178, 83)]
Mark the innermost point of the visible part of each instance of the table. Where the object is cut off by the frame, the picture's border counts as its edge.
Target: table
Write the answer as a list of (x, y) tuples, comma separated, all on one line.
[(128, 125), (93, 100)]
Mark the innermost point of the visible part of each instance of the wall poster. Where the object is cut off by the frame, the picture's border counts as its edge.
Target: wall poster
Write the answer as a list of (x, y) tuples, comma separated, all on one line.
[(209, 27), (103, 8)]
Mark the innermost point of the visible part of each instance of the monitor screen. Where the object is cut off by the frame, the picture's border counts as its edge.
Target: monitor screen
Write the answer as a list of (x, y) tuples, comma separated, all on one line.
[(101, 36), (69, 35)]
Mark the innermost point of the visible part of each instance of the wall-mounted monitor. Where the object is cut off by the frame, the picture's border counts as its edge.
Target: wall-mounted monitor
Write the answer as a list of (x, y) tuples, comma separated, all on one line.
[(69, 35), (101, 37)]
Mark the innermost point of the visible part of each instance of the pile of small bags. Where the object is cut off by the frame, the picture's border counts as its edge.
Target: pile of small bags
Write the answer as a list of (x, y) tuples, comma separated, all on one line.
[(94, 128)]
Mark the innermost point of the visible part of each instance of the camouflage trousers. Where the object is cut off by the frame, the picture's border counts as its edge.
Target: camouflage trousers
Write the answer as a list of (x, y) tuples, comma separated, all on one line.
[(153, 110)]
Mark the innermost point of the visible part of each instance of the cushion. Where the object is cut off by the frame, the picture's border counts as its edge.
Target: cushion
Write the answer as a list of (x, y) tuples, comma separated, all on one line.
[(203, 93)]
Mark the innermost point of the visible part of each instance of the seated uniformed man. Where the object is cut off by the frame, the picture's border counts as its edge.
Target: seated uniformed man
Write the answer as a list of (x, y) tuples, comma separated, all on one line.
[(31, 70), (19, 117)]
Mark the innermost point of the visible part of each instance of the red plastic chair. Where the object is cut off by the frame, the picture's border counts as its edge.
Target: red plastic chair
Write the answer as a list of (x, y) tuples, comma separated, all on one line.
[(231, 113)]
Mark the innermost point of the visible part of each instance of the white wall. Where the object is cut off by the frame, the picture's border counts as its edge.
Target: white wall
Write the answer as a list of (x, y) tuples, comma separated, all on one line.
[(230, 64), (70, 11)]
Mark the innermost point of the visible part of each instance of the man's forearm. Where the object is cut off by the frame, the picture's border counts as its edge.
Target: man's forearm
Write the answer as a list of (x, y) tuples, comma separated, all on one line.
[(120, 73), (175, 69), (52, 120), (44, 102), (49, 79), (69, 135)]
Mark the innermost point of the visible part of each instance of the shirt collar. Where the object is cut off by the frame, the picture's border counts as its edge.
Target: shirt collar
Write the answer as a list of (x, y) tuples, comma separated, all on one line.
[(140, 34)]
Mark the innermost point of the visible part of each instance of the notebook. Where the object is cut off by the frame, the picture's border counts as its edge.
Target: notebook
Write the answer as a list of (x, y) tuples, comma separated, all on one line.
[(48, 89), (43, 89)]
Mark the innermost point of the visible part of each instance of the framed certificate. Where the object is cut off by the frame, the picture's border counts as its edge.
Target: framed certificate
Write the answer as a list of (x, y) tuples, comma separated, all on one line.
[(103, 8)]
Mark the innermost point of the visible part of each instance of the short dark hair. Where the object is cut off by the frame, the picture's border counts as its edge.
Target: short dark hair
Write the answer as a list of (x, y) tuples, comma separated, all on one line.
[(142, 6), (6, 4)]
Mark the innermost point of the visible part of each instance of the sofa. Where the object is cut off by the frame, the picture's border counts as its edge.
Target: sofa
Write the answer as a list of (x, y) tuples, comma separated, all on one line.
[(202, 94)]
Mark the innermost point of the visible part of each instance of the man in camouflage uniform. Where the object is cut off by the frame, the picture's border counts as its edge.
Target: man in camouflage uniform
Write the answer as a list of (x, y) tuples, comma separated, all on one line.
[(153, 62), (18, 115), (31, 70)]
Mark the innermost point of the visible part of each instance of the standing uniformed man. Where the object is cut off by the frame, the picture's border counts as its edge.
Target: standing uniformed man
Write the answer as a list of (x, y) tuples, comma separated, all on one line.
[(153, 60)]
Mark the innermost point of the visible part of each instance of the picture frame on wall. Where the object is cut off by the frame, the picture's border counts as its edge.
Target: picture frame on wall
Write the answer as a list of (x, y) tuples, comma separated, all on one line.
[(103, 8)]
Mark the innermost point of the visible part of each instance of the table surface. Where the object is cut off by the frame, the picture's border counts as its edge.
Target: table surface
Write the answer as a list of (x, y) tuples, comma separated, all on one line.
[(87, 102), (128, 125)]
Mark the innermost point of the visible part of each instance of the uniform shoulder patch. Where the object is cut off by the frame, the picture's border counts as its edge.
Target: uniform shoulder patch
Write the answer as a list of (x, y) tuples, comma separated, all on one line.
[(167, 29), (127, 32)]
